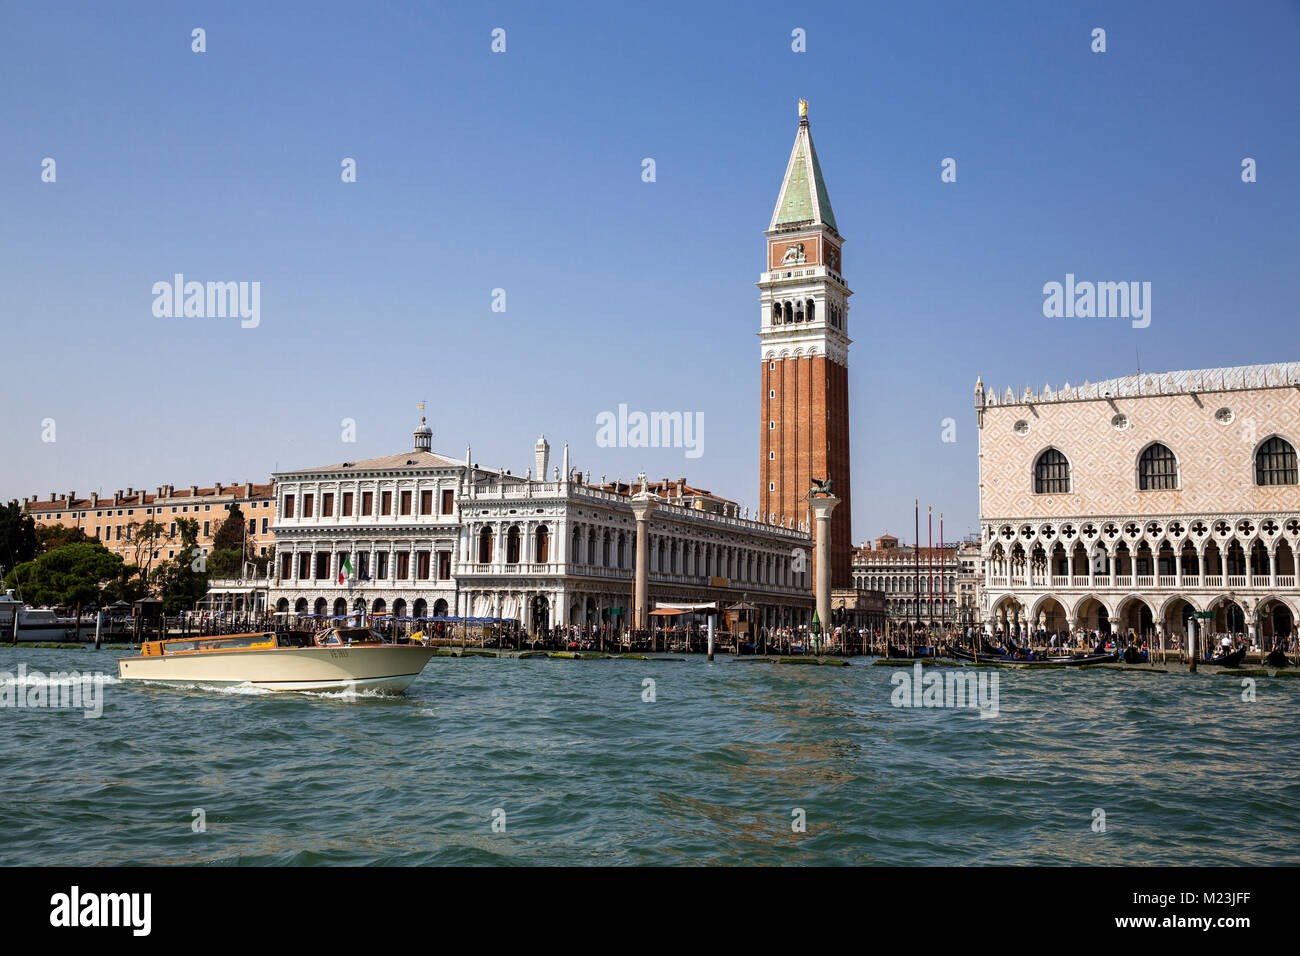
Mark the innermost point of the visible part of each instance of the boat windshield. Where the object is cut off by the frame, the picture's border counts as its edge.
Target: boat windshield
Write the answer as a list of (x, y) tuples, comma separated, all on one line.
[(359, 635), (294, 639), (350, 635)]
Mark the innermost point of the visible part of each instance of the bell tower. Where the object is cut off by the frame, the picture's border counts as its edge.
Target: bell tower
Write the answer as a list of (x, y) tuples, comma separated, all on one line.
[(804, 345)]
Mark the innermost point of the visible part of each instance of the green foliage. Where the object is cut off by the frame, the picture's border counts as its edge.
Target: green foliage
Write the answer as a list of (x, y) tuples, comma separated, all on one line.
[(226, 563), (51, 537), (183, 581), (231, 535), (18, 540), (70, 576), (147, 537)]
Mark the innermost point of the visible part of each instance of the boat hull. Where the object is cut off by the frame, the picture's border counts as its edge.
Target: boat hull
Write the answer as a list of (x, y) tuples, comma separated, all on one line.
[(386, 669)]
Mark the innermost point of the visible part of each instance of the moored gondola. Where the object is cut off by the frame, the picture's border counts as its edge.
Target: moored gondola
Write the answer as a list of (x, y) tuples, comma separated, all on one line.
[(1277, 659), (1077, 660), (908, 653), (1231, 659)]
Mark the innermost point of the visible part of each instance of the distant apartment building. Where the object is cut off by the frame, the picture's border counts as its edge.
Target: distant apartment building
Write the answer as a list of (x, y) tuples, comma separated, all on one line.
[(114, 519)]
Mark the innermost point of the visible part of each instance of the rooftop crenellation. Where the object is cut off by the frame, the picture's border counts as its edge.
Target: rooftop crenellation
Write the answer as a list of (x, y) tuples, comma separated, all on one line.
[(1148, 384)]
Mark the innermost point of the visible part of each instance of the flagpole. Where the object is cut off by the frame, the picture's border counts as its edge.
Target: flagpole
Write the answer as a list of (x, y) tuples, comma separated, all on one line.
[(916, 558), (943, 607), (929, 559)]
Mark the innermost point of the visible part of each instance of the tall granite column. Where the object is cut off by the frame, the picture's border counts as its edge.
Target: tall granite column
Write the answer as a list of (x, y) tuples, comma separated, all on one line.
[(822, 508), (642, 505)]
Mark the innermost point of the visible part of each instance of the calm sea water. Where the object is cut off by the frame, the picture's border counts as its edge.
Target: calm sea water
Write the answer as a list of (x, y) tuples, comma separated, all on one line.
[(587, 772)]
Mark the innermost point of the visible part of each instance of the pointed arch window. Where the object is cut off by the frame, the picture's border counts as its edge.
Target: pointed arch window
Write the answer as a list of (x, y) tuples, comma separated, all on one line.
[(1051, 473), (1275, 463), (1157, 469)]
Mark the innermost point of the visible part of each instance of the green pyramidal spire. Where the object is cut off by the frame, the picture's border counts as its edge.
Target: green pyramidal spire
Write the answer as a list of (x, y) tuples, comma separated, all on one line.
[(803, 197)]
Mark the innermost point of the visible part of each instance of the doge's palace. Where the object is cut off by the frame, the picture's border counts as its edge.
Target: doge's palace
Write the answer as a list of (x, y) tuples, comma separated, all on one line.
[(1134, 503)]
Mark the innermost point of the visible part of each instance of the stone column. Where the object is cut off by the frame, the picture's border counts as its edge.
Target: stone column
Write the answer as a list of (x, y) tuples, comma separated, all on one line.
[(642, 505), (822, 508)]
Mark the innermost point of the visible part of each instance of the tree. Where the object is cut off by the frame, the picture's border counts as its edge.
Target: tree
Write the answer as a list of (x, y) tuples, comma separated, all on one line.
[(183, 581), (231, 536), (71, 576), (54, 536), (18, 541), (148, 536), (230, 550)]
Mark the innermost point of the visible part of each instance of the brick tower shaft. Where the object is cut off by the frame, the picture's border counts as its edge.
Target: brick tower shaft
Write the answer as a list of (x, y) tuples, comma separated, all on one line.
[(804, 343)]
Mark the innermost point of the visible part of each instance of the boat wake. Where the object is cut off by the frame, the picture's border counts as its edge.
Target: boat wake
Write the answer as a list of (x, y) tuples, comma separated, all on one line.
[(55, 679), (249, 690)]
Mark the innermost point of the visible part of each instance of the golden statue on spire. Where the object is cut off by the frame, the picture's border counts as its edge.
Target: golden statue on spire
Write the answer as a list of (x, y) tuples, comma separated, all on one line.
[(803, 109)]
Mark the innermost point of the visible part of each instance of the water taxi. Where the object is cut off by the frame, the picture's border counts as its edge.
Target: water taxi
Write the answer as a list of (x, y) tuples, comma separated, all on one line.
[(340, 658)]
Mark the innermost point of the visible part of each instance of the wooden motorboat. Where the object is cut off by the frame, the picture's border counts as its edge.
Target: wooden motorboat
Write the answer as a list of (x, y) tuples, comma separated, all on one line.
[(337, 659)]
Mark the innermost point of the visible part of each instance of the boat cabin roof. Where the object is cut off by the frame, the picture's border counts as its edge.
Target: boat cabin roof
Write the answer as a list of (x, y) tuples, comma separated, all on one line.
[(334, 636)]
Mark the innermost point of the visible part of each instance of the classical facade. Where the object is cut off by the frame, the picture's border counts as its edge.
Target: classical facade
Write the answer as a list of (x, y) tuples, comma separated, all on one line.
[(1133, 504), (417, 534), (383, 531), (919, 584), (804, 347)]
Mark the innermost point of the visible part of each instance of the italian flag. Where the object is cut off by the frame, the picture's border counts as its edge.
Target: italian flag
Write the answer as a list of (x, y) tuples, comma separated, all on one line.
[(347, 566)]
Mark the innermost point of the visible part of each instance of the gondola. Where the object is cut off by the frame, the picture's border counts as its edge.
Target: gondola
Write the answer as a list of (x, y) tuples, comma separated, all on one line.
[(1228, 660), (908, 653), (1277, 659), (1133, 656), (1078, 660)]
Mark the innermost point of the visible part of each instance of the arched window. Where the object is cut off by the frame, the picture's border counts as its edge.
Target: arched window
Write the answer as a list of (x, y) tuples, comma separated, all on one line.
[(1275, 463), (1051, 473), (1157, 469), (811, 311), (485, 546), (512, 545), (542, 549)]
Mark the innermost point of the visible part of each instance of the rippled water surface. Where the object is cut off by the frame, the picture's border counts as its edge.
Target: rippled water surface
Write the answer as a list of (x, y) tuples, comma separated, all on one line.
[(712, 771)]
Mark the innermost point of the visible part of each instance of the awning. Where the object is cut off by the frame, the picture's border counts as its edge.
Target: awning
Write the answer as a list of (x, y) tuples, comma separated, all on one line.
[(663, 608)]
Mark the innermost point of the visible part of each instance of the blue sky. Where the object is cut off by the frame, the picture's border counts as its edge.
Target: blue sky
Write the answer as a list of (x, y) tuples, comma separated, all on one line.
[(522, 171)]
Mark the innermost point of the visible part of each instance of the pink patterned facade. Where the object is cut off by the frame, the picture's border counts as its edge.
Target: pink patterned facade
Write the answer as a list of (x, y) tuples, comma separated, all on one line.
[(1132, 503)]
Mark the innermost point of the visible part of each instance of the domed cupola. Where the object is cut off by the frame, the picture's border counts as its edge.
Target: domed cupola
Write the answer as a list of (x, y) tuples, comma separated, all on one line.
[(423, 436)]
